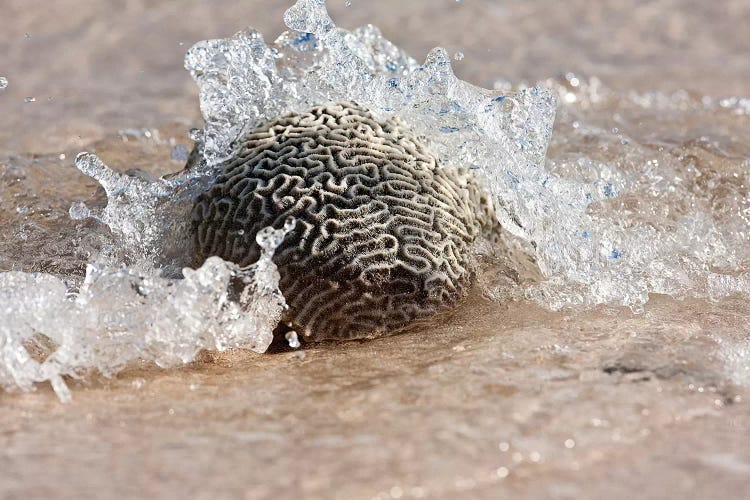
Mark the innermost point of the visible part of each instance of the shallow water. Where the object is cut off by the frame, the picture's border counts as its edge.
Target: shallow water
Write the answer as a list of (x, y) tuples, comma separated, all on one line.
[(498, 398)]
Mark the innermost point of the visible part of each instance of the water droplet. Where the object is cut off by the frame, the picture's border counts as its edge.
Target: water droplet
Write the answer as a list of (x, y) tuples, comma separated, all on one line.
[(196, 134), (572, 79), (79, 211), (3, 83), (30, 99), (292, 339), (459, 56)]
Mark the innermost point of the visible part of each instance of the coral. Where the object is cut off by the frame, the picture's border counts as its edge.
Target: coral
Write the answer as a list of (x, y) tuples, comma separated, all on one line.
[(383, 233)]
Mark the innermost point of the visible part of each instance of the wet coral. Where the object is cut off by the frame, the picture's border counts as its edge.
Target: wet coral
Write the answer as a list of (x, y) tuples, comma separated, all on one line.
[(383, 234)]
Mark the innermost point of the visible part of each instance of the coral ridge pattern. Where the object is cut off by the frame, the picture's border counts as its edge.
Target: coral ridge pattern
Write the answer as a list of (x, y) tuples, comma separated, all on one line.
[(383, 234)]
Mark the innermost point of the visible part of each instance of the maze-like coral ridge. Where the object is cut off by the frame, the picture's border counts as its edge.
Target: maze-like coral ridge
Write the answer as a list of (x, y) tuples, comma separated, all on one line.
[(383, 234)]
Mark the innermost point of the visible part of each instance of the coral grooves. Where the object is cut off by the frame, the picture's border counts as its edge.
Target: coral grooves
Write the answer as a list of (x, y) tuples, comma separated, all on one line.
[(383, 233)]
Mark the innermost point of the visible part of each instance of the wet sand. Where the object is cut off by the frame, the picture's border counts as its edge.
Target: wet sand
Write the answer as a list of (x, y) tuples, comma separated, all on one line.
[(502, 400), (496, 400)]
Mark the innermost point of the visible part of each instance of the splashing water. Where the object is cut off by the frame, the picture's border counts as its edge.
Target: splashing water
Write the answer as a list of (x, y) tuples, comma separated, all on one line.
[(48, 331), (149, 220), (132, 305), (600, 232), (630, 218), (244, 82)]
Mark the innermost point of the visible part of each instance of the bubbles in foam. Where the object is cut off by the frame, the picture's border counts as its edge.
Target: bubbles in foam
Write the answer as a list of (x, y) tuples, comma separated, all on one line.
[(142, 311), (48, 331), (574, 215), (245, 82), (611, 226), (293, 339)]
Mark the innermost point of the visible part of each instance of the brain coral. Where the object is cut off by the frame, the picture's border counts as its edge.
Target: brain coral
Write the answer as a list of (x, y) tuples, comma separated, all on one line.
[(383, 234)]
